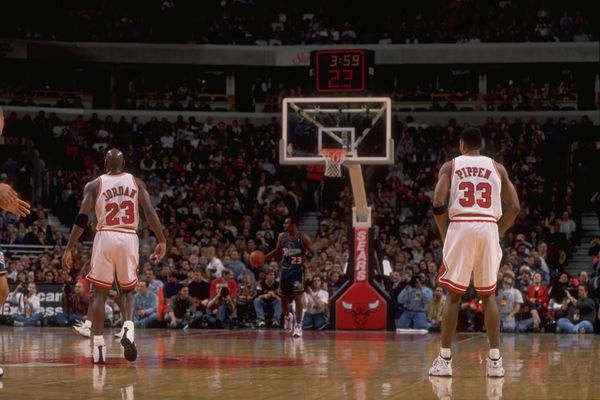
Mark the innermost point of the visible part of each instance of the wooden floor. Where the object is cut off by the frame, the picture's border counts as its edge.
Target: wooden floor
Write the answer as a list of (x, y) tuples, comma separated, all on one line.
[(200, 364)]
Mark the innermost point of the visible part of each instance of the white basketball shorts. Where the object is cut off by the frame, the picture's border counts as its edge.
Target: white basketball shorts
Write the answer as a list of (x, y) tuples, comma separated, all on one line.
[(114, 254), (471, 249)]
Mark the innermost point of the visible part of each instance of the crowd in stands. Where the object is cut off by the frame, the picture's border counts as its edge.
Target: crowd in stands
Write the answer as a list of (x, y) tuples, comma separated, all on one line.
[(245, 22), (221, 193)]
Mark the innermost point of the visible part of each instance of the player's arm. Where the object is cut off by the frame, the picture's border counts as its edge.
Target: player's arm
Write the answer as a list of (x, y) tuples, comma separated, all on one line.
[(307, 243), (152, 217), (81, 220), (510, 199), (278, 249), (440, 197)]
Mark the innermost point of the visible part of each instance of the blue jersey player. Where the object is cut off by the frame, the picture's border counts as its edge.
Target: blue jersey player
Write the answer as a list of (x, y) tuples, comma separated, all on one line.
[(9, 201), (294, 247)]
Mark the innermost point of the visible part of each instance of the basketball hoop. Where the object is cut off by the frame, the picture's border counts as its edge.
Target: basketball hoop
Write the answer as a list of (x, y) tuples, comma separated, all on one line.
[(334, 158)]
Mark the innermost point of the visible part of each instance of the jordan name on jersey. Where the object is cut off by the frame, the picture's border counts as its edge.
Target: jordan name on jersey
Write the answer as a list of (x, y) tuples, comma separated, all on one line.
[(119, 191)]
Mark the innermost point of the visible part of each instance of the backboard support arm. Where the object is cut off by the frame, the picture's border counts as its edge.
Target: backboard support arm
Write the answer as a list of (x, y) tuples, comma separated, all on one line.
[(361, 212)]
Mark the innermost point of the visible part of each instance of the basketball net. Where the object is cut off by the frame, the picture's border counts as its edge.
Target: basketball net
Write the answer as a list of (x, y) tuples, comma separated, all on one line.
[(334, 158)]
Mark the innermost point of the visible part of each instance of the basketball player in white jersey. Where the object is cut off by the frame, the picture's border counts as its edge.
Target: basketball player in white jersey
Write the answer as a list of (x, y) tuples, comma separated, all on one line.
[(116, 197), (9, 201), (471, 223)]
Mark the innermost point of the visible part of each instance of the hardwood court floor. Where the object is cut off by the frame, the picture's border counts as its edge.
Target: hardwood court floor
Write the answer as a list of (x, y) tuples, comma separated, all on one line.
[(248, 365)]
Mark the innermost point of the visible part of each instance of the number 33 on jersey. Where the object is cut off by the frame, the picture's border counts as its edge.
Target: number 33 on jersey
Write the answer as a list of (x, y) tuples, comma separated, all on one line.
[(475, 190), (117, 203)]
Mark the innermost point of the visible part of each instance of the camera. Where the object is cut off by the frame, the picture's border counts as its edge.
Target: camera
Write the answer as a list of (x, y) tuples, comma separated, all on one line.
[(23, 289), (224, 292)]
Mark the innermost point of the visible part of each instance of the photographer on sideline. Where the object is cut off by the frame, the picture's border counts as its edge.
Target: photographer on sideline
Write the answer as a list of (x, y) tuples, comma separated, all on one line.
[(29, 312), (221, 309), (415, 298)]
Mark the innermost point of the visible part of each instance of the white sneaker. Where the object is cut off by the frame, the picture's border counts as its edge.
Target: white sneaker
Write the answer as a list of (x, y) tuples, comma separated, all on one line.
[(441, 367), (288, 323), (1, 372), (494, 367), (442, 387), (81, 330), (260, 324), (99, 354), (297, 331)]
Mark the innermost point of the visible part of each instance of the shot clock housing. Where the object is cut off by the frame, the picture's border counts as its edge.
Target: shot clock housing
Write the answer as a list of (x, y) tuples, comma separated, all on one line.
[(342, 71)]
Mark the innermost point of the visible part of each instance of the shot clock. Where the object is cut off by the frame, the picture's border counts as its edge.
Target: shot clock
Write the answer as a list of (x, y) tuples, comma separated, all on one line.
[(342, 71)]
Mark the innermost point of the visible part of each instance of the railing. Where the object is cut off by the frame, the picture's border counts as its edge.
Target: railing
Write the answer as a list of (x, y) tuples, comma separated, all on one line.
[(217, 102), (33, 250), (47, 98), (461, 105)]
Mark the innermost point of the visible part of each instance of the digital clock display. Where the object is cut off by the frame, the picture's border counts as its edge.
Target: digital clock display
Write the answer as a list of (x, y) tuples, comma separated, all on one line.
[(341, 70)]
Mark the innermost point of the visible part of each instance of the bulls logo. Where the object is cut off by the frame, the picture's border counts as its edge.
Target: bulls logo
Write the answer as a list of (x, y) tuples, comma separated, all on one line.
[(360, 312)]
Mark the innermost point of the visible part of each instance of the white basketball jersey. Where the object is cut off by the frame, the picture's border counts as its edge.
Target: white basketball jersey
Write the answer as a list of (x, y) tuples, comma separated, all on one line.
[(117, 203), (475, 189)]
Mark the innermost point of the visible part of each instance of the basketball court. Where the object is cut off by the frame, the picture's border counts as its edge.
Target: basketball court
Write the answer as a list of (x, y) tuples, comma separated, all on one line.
[(204, 364)]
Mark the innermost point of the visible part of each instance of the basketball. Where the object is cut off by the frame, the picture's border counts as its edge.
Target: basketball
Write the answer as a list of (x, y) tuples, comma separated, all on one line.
[(257, 258)]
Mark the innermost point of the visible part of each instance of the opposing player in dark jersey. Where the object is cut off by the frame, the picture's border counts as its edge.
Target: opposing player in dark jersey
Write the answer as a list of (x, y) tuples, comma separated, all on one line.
[(9, 201), (295, 248)]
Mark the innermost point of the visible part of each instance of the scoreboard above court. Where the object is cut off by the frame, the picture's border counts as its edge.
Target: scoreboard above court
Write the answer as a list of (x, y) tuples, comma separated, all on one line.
[(342, 71)]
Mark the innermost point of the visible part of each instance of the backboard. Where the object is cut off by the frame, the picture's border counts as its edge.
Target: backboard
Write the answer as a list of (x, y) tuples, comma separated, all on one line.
[(360, 125)]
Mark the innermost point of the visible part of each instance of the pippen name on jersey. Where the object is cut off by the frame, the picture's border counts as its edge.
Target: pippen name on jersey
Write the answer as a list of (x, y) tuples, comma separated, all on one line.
[(119, 191), (479, 172)]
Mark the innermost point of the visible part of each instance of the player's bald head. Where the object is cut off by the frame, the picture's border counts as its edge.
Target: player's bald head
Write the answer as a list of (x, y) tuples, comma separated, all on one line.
[(114, 160)]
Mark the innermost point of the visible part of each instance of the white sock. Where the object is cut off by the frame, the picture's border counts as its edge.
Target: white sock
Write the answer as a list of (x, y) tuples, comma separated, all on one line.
[(494, 354), (98, 340), (445, 353), (129, 325), (87, 323)]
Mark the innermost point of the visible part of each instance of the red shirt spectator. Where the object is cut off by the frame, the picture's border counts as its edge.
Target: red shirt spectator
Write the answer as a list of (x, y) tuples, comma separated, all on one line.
[(538, 293), (225, 280)]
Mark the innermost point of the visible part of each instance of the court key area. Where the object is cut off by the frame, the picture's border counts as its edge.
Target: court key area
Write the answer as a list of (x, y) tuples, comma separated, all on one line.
[(55, 364)]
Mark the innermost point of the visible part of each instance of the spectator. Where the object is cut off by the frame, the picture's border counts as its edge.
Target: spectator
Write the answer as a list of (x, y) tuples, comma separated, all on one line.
[(581, 313), (199, 287), (414, 298), (397, 285), (225, 281), (537, 297), (235, 264), (75, 305), (171, 288), (316, 300), (471, 312), (153, 283), (182, 311), (246, 295), (435, 308), (509, 303), (266, 292), (146, 306), (29, 312), (214, 264)]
